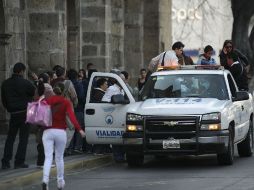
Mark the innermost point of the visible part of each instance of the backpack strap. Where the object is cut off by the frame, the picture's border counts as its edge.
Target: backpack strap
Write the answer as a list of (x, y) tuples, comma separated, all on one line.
[(162, 63)]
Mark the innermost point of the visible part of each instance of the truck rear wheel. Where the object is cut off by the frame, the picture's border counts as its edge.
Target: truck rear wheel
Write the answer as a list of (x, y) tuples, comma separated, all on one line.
[(245, 148), (227, 158), (134, 160)]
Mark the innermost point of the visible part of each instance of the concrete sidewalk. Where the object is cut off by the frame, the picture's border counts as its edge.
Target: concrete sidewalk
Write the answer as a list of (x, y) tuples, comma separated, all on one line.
[(18, 178)]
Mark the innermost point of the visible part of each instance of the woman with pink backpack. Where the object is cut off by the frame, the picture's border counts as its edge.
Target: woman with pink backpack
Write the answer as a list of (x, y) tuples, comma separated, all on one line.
[(54, 137)]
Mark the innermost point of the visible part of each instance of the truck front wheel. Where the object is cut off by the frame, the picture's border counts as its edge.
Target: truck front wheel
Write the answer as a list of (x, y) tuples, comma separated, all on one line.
[(134, 160), (227, 158)]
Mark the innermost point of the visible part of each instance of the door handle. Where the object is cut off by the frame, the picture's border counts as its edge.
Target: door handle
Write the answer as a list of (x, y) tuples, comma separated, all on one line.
[(242, 107), (90, 111)]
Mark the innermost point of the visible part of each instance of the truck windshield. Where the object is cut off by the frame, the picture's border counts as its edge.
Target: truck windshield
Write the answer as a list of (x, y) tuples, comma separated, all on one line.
[(185, 85)]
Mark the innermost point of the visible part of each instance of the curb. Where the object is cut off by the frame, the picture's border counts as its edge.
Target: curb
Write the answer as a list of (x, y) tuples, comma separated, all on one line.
[(33, 176)]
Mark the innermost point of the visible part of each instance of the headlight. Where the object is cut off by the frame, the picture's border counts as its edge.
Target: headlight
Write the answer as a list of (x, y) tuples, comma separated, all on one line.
[(211, 117), (211, 127), (134, 128), (133, 117), (211, 122)]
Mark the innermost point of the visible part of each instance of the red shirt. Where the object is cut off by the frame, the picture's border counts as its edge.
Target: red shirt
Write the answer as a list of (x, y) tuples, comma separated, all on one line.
[(60, 107)]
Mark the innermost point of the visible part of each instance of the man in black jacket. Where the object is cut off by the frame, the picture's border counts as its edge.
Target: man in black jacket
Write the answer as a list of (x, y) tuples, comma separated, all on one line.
[(16, 92)]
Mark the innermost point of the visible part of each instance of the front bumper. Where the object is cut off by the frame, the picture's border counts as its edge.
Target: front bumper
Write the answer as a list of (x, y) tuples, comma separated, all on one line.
[(206, 142)]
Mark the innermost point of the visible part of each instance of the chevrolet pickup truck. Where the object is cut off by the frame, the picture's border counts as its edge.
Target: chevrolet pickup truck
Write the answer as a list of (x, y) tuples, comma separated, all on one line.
[(179, 112)]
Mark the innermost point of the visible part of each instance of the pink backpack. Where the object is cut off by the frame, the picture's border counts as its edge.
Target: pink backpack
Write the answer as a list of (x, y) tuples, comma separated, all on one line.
[(39, 113)]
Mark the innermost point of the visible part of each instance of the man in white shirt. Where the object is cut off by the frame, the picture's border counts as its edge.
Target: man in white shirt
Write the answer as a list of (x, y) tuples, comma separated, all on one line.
[(167, 58), (112, 90)]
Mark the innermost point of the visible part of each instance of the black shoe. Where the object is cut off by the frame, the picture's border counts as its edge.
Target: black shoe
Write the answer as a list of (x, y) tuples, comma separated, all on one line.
[(40, 165), (120, 161), (6, 166), (77, 151), (44, 186), (17, 166), (68, 152)]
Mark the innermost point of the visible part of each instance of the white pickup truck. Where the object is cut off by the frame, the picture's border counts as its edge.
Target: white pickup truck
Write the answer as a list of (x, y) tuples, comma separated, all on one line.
[(186, 111)]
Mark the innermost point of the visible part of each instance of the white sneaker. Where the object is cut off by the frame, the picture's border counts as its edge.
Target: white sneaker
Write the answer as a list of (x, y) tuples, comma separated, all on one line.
[(60, 184)]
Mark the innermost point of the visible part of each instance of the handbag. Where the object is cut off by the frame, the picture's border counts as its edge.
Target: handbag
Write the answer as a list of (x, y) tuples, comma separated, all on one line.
[(39, 113)]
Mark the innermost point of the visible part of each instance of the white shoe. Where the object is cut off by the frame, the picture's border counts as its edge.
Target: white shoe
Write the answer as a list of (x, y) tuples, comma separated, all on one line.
[(60, 184)]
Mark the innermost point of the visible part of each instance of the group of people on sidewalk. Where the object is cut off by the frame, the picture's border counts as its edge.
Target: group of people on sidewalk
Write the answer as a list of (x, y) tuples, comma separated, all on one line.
[(66, 94), (16, 92)]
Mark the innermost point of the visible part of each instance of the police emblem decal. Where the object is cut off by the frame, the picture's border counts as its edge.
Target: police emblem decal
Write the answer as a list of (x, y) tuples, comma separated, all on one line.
[(109, 119)]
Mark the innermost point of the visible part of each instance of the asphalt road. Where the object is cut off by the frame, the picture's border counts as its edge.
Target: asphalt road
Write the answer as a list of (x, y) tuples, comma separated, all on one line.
[(190, 172)]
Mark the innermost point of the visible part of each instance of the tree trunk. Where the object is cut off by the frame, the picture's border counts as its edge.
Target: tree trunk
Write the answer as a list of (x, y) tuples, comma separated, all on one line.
[(240, 35), (242, 13)]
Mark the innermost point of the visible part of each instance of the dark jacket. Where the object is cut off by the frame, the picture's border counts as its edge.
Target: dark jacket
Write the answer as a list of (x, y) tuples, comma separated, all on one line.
[(16, 92), (185, 60), (97, 95), (85, 83), (237, 70), (79, 88), (236, 55)]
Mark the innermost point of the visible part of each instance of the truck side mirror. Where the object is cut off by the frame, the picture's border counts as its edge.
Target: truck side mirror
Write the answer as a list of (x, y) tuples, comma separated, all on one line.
[(119, 99), (241, 95)]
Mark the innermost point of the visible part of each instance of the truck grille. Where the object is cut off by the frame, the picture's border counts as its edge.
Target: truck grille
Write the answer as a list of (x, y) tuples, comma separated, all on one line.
[(158, 129)]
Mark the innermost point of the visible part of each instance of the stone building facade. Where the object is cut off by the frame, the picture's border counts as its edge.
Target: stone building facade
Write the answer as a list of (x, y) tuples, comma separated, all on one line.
[(122, 34)]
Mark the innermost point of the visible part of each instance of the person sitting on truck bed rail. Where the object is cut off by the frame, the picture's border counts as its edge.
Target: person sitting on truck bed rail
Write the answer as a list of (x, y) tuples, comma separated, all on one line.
[(206, 57)]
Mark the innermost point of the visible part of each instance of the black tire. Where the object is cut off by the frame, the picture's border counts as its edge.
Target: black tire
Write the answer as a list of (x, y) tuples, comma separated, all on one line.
[(245, 148), (227, 158), (134, 160)]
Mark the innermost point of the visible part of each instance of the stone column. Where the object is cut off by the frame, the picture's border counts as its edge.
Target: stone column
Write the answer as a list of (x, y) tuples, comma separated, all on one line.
[(165, 25), (134, 37), (73, 34), (151, 30), (3, 43), (46, 34), (96, 33), (117, 34), (157, 28)]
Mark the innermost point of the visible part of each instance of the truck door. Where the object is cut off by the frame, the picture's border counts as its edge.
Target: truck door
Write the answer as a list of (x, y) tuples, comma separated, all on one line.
[(237, 111), (104, 121)]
